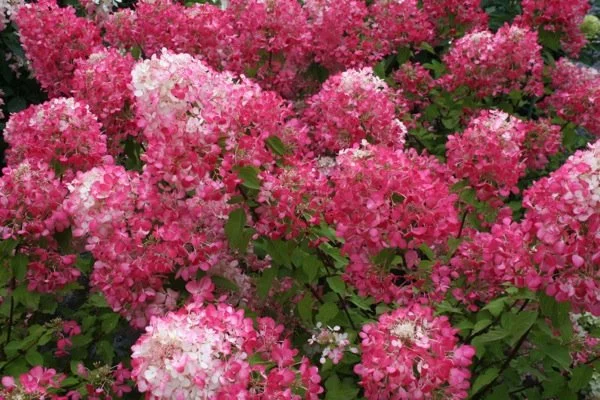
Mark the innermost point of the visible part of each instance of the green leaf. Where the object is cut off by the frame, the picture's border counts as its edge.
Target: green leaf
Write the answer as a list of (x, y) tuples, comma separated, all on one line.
[(109, 322), (338, 390), (19, 266), (234, 229), (481, 325), (379, 69), (305, 310), (520, 323), (276, 145), (12, 348), (559, 354), (337, 284), (34, 358), (105, 351), (265, 282), (224, 283), (249, 176), (136, 52), (68, 382), (484, 379), (29, 299), (580, 377), (327, 312), (549, 39), (7, 247), (404, 55), (495, 306)]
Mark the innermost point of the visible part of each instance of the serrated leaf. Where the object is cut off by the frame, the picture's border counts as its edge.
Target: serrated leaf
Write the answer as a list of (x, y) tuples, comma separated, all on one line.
[(109, 322), (276, 145), (337, 284), (249, 177), (559, 354), (305, 310), (521, 323), (34, 358), (19, 264), (234, 227), (265, 281), (327, 312), (495, 306), (484, 379), (580, 377)]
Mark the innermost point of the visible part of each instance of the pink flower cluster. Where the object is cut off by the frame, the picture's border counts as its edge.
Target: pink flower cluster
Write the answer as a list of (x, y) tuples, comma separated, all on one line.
[(558, 17), (488, 154), (488, 261), (493, 64), (350, 107), (395, 24), (207, 352), (576, 95), (454, 17), (414, 84), (382, 200), (410, 354), (495, 149), (103, 82), (53, 39), (30, 200), (563, 218), (33, 384), (62, 133)]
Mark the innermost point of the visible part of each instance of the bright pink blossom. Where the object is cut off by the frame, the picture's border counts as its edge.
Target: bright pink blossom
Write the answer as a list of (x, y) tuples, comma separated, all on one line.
[(576, 95), (562, 18), (353, 106), (103, 81), (493, 64), (409, 353), (53, 38), (61, 132)]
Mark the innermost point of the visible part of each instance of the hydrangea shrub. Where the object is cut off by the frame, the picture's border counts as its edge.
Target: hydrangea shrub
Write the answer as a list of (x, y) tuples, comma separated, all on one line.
[(300, 200)]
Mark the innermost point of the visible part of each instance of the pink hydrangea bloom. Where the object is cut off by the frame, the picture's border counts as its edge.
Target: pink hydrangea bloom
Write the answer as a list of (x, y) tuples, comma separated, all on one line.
[(103, 81), (399, 23), (576, 95), (337, 28), (454, 17), (53, 38), (272, 42), (489, 154), (48, 271), (30, 201), (414, 84), (563, 18), (409, 353), (489, 261), (542, 140), (493, 64), (563, 216), (353, 106), (382, 201), (204, 351), (61, 132), (36, 382)]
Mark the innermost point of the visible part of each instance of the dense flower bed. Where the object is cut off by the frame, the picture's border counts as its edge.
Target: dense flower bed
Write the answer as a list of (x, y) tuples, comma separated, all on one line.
[(273, 199)]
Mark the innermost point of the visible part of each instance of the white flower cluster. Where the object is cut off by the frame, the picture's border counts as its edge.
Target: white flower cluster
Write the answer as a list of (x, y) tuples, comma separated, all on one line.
[(333, 341)]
